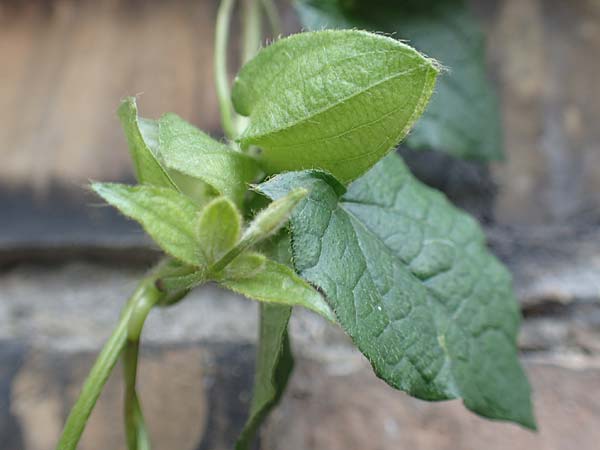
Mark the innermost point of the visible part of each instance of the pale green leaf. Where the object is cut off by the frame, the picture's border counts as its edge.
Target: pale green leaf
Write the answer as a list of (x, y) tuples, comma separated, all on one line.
[(247, 265), (274, 364), (188, 150), (277, 283), (218, 228), (166, 215), (333, 100), (139, 135), (412, 282), (462, 117)]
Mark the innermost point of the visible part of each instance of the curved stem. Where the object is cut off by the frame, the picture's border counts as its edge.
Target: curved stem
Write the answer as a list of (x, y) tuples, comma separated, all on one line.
[(135, 426), (103, 367), (220, 66)]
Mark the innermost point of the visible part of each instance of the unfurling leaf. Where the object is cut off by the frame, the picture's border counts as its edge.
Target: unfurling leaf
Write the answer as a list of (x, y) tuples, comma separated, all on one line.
[(462, 117), (166, 215), (148, 169), (411, 281), (188, 150), (218, 229), (332, 100)]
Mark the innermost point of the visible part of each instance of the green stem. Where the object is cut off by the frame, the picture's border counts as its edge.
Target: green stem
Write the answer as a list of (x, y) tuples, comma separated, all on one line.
[(273, 17), (251, 37), (220, 63), (135, 427), (103, 367)]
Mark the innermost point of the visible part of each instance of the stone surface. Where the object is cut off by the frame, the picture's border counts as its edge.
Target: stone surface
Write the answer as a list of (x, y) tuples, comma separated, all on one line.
[(196, 371)]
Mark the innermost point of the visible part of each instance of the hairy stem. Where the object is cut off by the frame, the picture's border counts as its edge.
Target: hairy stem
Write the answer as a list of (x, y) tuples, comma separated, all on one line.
[(220, 66), (103, 366)]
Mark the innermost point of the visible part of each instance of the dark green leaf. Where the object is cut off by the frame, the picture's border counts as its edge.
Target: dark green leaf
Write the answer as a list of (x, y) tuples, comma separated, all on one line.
[(411, 280), (188, 150), (462, 117), (166, 215), (274, 364), (334, 100), (139, 134)]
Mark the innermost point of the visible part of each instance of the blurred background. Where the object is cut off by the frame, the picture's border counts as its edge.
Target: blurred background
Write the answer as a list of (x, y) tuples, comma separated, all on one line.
[(67, 263)]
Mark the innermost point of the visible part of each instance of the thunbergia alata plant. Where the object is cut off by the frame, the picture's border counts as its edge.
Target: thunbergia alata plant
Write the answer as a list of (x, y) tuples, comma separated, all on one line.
[(307, 205)]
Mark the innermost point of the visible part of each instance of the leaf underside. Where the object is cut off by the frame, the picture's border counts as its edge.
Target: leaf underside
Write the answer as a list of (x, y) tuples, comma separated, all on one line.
[(462, 117), (165, 214), (411, 280), (147, 167), (334, 100), (188, 150)]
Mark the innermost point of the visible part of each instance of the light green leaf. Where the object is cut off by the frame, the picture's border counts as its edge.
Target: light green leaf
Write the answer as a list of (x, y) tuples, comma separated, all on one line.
[(277, 283), (147, 167), (274, 364), (333, 100), (166, 215), (218, 229), (462, 117), (247, 265), (188, 150), (412, 282)]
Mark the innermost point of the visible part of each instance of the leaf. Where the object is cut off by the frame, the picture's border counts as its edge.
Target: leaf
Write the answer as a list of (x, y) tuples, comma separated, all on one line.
[(462, 117), (247, 265), (219, 228), (274, 365), (147, 167), (277, 283), (188, 150), (166, 215), (334, 100), (411, 281)]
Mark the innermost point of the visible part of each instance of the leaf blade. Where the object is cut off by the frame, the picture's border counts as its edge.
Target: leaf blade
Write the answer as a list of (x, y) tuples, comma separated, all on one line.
[(463, 118), (276, 283), (166, 215), (188, 150), (303, 92), (400, 293), (148, 169), (219, 228)]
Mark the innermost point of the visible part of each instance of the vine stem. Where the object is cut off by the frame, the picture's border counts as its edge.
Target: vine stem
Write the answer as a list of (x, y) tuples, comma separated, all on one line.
[(251, 38), (273, 17), (220, 66), (146, 292)]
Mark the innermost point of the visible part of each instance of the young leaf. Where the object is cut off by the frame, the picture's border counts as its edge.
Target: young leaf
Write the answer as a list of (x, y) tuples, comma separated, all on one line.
[(247, 265), (462, 117), (279, 284), (218, 229), (274, 364), (166, 215), (411, 281), (334, 100), (147, 167), (188, 150)]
